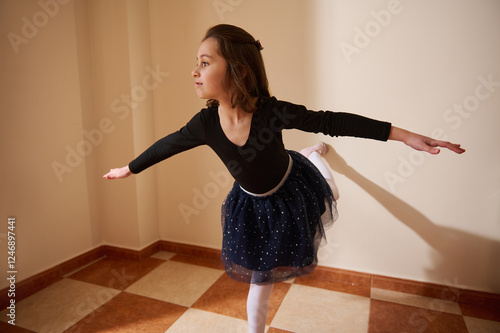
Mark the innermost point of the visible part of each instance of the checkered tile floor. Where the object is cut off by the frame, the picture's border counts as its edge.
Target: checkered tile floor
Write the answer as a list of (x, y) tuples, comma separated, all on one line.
[(170, 292)]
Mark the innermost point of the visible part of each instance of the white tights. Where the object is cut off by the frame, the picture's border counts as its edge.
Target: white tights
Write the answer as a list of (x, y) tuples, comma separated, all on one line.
[(315, 158), (257, 306)]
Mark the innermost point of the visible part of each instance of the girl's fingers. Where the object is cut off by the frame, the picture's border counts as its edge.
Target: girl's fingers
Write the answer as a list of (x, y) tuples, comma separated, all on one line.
[(117, 173), (451, 146), (110, 174), (432, 146)]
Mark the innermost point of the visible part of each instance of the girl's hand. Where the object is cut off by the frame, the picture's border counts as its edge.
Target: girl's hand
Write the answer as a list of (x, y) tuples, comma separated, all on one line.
[(118, 173), (423, 143)]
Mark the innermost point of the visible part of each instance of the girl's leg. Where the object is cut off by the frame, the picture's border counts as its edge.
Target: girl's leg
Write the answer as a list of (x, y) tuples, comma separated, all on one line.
[(314, 155), (315, 158), (257, 306)]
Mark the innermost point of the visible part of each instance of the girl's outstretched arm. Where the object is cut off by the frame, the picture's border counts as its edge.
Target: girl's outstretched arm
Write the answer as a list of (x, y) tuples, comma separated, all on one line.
[(123, 172), (423, 143)]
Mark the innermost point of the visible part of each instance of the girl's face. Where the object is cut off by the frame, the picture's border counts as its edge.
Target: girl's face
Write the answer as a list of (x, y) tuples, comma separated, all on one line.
[(210, 72)]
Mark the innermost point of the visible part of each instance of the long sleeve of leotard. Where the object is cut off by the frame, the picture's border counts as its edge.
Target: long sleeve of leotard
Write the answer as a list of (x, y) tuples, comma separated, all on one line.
[(188, 137), (332, 123)]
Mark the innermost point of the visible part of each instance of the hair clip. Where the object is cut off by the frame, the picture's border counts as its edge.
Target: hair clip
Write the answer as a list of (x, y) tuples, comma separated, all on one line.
[(259, 45)]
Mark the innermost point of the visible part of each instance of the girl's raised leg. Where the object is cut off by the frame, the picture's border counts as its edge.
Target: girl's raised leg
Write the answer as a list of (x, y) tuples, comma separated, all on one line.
[(314, 155)]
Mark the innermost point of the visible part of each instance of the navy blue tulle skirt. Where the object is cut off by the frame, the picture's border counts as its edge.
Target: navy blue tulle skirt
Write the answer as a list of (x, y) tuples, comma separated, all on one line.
[(275, 237)]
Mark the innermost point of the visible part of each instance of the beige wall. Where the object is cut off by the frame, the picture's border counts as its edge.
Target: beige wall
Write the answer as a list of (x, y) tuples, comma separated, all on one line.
[(77, 76)]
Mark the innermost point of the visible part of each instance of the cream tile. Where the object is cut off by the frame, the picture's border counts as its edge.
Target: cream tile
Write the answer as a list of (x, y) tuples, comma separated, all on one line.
[(195, 321), (59, 306), (476, 325), (307, 309), (163, 255), (415, 300), (176, 282)]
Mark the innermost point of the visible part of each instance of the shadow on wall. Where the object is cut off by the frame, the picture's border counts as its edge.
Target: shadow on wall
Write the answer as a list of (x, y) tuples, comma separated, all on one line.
[(459, 256)]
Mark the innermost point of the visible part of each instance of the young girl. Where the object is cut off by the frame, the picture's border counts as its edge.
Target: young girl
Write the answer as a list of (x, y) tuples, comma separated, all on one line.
[(274, 217)]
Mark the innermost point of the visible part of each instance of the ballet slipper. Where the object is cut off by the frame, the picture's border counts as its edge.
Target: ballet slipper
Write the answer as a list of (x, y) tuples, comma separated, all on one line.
[(320, 148)]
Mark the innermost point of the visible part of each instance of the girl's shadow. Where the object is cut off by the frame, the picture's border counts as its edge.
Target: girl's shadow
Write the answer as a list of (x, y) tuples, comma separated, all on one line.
[(459, 257)]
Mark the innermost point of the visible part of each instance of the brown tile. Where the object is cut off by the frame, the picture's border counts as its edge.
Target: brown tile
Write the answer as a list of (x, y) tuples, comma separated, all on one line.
[(229, 298), (338, 280), (480, 305), (445, 293), (130, 313), (277, 330), (226, 297), (391, 317), (8, 328), (117, 274), (206, 262)]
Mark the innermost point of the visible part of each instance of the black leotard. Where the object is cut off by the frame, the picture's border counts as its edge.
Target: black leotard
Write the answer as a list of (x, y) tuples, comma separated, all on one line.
[(260, 164)]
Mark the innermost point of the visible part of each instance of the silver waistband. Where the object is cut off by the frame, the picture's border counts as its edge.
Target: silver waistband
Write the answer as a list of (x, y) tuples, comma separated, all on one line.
[(290, 162)]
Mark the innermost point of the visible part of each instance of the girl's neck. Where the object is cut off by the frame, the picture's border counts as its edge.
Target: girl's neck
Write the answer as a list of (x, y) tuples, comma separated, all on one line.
[(234, 114)]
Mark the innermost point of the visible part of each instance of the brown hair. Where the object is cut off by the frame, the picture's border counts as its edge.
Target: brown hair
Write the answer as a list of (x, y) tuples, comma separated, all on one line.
[(245, 74)]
